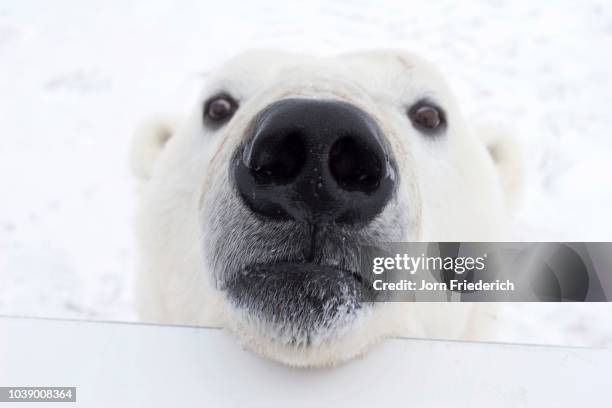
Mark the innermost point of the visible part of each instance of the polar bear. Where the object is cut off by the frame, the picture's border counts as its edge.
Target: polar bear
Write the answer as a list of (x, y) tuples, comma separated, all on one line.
[(254, 206)]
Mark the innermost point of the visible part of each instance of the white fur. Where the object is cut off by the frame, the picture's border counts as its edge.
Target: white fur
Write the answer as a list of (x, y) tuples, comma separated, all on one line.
[(451, 189)]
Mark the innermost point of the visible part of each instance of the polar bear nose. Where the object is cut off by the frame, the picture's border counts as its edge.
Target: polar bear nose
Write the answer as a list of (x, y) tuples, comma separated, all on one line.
[(315, 161)]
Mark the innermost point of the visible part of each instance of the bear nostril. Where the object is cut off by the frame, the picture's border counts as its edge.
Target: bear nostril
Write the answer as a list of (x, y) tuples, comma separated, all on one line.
[(278, 161), (355, 166)]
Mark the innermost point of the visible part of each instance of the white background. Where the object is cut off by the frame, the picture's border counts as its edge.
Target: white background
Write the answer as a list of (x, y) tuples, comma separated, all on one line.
[(76, 76), (129, 365)]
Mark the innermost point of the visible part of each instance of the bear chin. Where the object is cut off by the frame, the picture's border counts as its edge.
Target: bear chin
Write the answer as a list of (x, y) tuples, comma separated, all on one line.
[(334, 347), (299, 310)]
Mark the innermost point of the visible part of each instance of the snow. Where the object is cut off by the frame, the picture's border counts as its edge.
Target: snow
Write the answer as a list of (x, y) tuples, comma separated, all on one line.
[(77, 76)]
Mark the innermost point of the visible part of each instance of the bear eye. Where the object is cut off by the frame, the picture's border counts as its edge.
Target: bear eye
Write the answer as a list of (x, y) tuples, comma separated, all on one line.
[(220, 108), (427, 117)]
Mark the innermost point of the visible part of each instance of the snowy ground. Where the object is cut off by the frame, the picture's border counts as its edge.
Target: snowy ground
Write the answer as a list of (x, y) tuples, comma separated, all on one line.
[(76, 76)]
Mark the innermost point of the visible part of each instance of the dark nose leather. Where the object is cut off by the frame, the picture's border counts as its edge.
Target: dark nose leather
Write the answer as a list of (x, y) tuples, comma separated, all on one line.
[(316, 161)]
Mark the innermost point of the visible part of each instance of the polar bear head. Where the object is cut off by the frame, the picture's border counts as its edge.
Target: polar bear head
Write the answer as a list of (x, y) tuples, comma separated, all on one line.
[(255, 205)]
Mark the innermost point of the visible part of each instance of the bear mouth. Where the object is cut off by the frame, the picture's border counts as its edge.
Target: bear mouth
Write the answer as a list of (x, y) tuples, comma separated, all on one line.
[(298, 303)]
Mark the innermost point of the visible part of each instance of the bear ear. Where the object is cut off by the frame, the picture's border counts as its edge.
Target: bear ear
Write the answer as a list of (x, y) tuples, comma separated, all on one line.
[(149, 140), (507, 155)]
